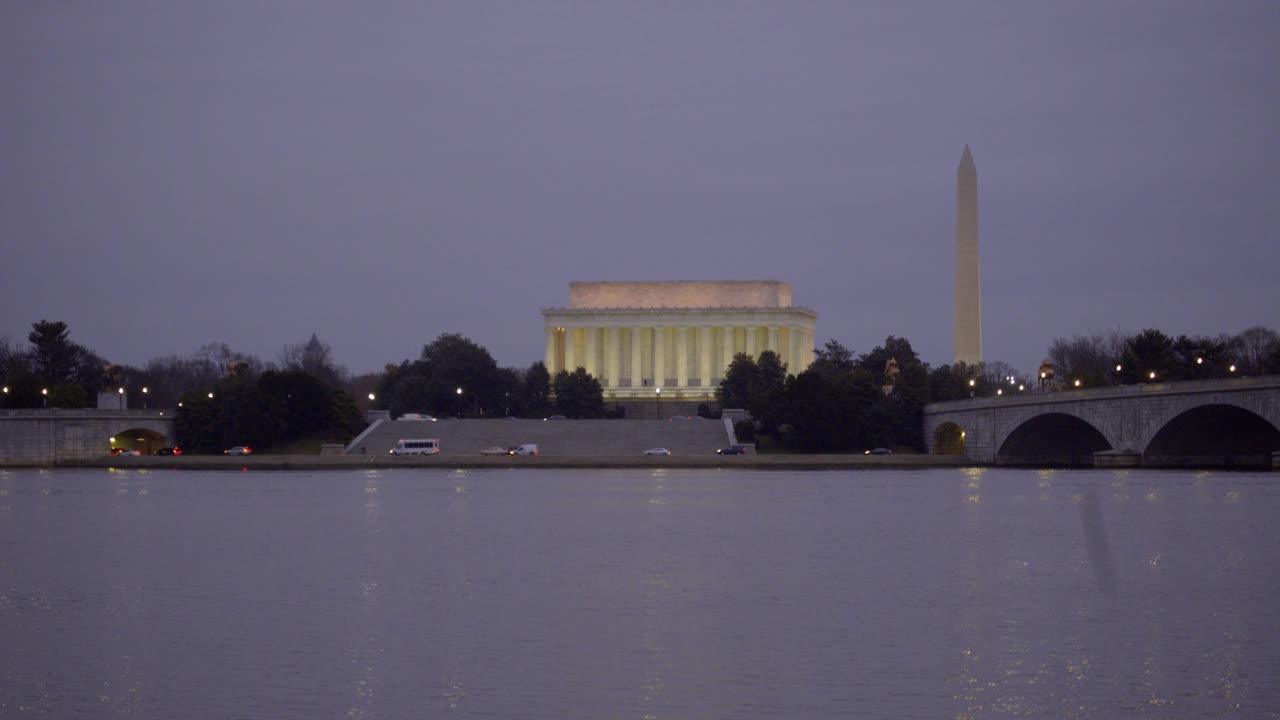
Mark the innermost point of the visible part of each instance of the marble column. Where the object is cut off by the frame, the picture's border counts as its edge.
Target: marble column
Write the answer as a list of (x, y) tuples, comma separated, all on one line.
[(659, 358), (706, 348), (796, 364), (589, 362), (550, 358), (636, 361), (682, 357), (570, 359), (613, 356), (726, 350), (773, 342), (751, 342)]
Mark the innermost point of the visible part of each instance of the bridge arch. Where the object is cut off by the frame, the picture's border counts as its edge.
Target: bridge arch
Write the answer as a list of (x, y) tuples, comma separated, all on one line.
[(145, 440), (948, 439), (1055, 438), (1214, 434)]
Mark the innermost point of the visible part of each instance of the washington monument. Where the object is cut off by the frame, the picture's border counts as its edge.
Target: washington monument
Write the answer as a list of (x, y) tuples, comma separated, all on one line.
[(968, 274)]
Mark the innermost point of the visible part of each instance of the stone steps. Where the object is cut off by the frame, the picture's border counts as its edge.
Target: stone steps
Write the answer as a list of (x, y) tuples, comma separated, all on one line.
[(557, 438)]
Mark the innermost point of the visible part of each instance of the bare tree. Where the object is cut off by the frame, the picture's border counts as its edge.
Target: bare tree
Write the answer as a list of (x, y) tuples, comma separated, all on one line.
[(1252, 347), (315, 358), (1091, 358)]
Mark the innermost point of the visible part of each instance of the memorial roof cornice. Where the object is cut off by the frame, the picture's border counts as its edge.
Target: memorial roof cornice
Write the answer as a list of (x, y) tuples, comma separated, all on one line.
[(686, 310)]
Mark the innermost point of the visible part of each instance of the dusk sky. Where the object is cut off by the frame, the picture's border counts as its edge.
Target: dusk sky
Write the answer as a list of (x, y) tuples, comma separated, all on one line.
[(176, 173)]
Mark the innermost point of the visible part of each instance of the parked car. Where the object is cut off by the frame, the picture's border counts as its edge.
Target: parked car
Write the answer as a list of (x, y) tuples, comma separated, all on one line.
[(529, 449), (416, 416), (657, 451), (495, 450), (125, 452), (239, 450), (878, 451), (732, 450), (175, 450)]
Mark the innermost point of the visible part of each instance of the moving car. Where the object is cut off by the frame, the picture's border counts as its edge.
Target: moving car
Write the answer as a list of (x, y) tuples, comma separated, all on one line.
[(732, 450), (657, 451), (495, 450), (878, 451), (239, 450), (555, 417), (124, 451), (416, 416), (425, 446), (175, 450), (529, 449)]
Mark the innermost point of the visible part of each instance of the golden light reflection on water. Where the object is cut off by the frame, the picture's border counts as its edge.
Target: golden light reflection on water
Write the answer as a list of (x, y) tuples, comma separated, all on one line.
[(971, 485)]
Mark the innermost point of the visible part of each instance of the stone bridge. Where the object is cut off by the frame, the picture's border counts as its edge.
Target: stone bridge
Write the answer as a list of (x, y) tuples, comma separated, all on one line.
[(1231, 422), (48, 437)]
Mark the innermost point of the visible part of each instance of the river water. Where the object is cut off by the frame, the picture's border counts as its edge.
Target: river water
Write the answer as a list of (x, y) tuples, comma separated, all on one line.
[(645, 594)]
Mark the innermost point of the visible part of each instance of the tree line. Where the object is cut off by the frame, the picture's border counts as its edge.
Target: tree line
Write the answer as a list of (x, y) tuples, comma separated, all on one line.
[(843, 402), (223, 397), (1099, 359)]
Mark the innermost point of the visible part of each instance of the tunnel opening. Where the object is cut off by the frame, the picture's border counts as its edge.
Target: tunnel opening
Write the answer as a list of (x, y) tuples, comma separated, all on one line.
[(948, 439), (1214, 436), (139, 440), (1052, 439)]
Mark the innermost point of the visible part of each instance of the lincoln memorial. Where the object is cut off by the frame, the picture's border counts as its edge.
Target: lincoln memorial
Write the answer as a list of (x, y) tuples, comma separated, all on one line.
[(637, 337)]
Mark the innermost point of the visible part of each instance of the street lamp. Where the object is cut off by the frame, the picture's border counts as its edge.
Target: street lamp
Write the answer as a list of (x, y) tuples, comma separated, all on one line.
[(371, 397), (1231, 369), (210, 396), (657, 400), (1077, 383), (144, 397), (475, 403), (44, 396), (1152, 375)]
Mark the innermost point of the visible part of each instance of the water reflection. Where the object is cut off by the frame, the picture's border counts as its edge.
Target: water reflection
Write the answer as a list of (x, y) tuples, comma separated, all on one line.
[(529, 593)]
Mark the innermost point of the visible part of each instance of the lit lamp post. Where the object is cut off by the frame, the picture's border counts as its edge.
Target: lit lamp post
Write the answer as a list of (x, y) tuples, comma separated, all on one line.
[(657, 403), (972, 383), (144, 397), (6, 394), (44, 396), (475, 403)]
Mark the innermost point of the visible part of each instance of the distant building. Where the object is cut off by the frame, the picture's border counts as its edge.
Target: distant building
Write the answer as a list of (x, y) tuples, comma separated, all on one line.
[(637, 337)]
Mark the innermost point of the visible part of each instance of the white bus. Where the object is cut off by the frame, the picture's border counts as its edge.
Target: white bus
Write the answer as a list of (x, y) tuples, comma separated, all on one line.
[(426, 446)]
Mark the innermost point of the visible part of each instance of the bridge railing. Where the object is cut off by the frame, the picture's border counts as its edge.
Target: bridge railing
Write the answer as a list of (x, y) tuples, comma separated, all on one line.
[(51, 413), (1038, 396)]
